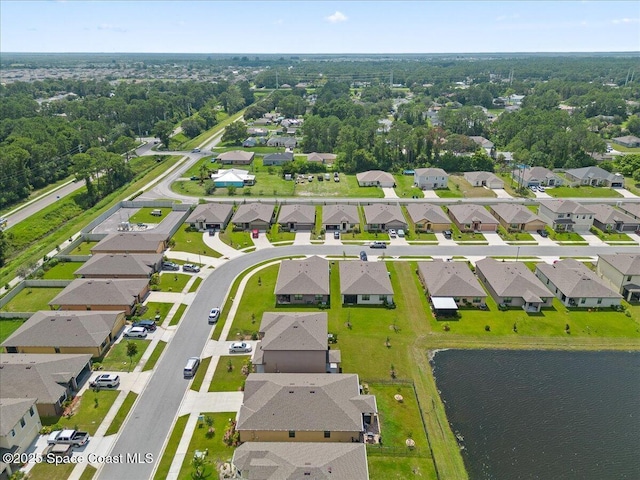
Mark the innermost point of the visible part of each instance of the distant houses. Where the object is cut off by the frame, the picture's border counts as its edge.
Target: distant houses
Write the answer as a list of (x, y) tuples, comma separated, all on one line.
[(472, 218), (484, 179)]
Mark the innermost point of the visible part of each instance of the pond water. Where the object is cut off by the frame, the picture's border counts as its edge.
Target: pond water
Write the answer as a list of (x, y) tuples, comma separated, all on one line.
[(543, 415)]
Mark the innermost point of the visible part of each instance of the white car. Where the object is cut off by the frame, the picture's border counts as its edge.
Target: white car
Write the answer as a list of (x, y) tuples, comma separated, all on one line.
[(106, 380), (541, 189), (239, 347), (392, 233), (137, 332), (214, 314)]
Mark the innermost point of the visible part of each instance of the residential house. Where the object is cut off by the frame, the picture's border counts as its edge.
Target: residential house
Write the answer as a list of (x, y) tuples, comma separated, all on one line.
[(451, 280), (428, 218), (631, 209), (629, 141), (536, 176), (49, 378), (566, 215), (610, 219), (340, 217), (262, 121), (517, 218), (375, 178), (484, 179), (236, 157), (594, 177), (277, 159), (303, 281), (131, 242), (295, 342), (287, 142), (472, 218), (365, 283), (270, 460), (210, 216), (252, 216), (120, 265), (250, 142), (305, 407), (323, 158), (575, 285), (233, 177), (297, 217), (430, 178), (513, 284), (102, 294), (19, 427), (622, 272), (486, 144), (382, 217), (257, 132)]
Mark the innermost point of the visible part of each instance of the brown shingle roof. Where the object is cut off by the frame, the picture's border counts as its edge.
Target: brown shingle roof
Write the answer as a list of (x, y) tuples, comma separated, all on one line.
[(514, 213), (450, 279), (297, 214), (469, 213), (383, 213), (364, 278), (574, 279), (424, 211), (294, 331), (512, 279), (251, 212), (211, 213), (116, 264), (129, 243), (334, 214), (303, 277), (99, 291)]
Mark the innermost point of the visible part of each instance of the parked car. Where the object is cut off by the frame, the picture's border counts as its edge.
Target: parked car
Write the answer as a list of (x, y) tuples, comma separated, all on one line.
[(148, 325), (212, 233), (135, 332), (447, 234), (327, 177), (401, 233), (543, 233), (190, 267), (392, 233), (377, 244), (214, 314), (541, 189), (363, 256), (255, 233), (336, 177), (170, 266), (105, 380), (239, 347), (68, 437), (195, 150), (336, 235), (310, 178), (320, 178), (533, 188)]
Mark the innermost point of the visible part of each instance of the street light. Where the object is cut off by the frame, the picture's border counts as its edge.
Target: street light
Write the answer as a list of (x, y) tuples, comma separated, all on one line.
[(517, 254)]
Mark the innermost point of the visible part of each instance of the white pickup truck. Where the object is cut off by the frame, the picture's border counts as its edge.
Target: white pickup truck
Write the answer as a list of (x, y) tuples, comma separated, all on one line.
[(68, 437)]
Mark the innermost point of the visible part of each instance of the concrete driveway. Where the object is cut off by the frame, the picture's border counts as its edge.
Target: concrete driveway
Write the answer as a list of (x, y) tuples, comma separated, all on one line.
[(542, 195), (493, 238), (389, 192), (398, 241), (329, 240), (302, 238), (542, 240), (262, 241), (444, 241), (429, 194), (592, 239), (625, 193), (501, 193)]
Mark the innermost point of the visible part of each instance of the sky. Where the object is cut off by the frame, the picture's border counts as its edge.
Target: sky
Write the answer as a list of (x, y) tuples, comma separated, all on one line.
[(265, 26)]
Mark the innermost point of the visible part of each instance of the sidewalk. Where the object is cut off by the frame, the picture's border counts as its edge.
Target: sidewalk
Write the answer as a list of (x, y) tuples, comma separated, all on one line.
[(219, 246)]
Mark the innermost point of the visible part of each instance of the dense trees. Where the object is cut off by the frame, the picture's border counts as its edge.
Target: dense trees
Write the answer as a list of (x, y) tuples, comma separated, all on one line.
[(235, 133)]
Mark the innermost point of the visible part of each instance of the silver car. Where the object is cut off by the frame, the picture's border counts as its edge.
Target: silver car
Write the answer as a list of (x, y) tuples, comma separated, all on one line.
[(239, 347), (136, 332)]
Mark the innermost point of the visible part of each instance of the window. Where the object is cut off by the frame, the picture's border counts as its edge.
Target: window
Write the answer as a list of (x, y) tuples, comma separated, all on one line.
[(583, 300), (629, 278), (507, 300), (292, 434), (366, 297), (22, 422), (382, 298), (476, 300), (57, 349), (319, 297), (599, 301), (32, 412), (297, 296), (12, 433), (327, 434)]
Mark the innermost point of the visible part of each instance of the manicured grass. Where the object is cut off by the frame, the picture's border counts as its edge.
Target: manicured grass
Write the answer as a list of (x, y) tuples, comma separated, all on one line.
[(8, 326), (411, 233), (610, 236), (171, 447), (514, 236), (123, 411), (355, 190), (117, 358), (213, 444), (229, 381), (240, 239), (275, 235), (511, 186), (199, 377), (318, 226), (157, 308), (405, 187), (390, 467), (178, 315), (62, 271), (88, 472), (194, 286), (87, 414), (448, 193), (459, 236), (144, 215), (194, 170), (32, 299), (173, 281), (564, 236), (155, 355), (631, 185), (50, 471), (83, 248), (582, 192), (190, 241)]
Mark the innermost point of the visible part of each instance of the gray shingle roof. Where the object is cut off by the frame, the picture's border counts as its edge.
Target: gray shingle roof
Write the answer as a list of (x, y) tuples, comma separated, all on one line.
[(294, 331), (512, 279), (303, 402), (116, 264), (63, 329), (424, 211), (469, 213), (565, 206), (514, 213), (251, 212), (236, 156), (303, 277), (383, 213), (450, 279), (334, 214), (473, 177), (100, 291), (297, 214), (592, 172), (374, 176), (297, 460), (607, 214), (430, 172), (625, 263), (574, 279), (364, 278), (11, 411), (631, 208), (129, 242), (211, 213), (534, 173)]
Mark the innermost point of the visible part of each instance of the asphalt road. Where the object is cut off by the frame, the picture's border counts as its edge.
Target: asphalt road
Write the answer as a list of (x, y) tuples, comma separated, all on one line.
[(157, 406)]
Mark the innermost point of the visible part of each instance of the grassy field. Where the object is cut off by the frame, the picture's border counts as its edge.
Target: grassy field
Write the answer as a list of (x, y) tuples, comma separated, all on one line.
[(155, 355), (582, 192), (173, 281), (459, 236), (171, 447), (564, 236), (514, 236), (84, 248), (275, 235), (8, 326), (32, 299), (226, 379), (199, 377), (190, 241), (123, 411), (468, 190), (117, 358), (631, 185), (88, 473), (62, 271), (89, 410), (405, 187)]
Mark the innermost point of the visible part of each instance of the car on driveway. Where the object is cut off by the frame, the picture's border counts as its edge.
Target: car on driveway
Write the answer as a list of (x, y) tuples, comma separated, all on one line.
[(392, 233), (401, 233), (170, 266), (255, 233), (543, 233), (214, 314), (363, 256), (533, 188), (148, 325), (135, 332), (336, 235), (541, 189), (377, 244), (447, 234), (239, 347), (190, 267), (105, 380)]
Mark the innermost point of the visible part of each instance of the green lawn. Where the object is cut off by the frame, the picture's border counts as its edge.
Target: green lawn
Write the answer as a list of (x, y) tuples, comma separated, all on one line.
[(8, 326), (514, 236), (582, 192), (117, 359), (157, 308), (275, 235), (461, 185), (123, 411), (50, 471), (510, 186), (88, 412), (411, 234), (178, 315), (195, 285), (144, 215), (62, 271), (155, 355), (173, 281), (190, 241), (631, 185), (355, 190), (32, 299), (170, 448), (194, 170), (199, 377), (240, 239), (459, 236), (564, 236), (83, 248), (225, 380), (88, 473), (405, 187), (213, 443), (611, 236)]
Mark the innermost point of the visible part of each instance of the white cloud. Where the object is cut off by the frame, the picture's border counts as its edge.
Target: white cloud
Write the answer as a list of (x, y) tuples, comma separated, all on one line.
[(337, 17), (618, 21)]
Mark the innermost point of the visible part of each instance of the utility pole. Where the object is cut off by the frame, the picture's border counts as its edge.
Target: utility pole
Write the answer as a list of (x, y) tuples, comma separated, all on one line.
[(277, 84), (391, 80)]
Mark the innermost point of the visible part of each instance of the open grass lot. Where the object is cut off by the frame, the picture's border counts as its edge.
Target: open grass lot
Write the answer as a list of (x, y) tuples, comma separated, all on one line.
[(240, 239), (611, 237), (83, 248), (510, 186), (50, 471), (171, 447), (405, 187), (88, 473), (8, 326), (62, 271), (173, 281), (157, 308), (199, 376), (144, 215), (155, 355), (461, 185), (346, 187), (194, 170), (89, 410), (187, 240), (117, 359), (218, 452), (631, 185), (225, 380), (582, 192), (32, 299), (123, 411)]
